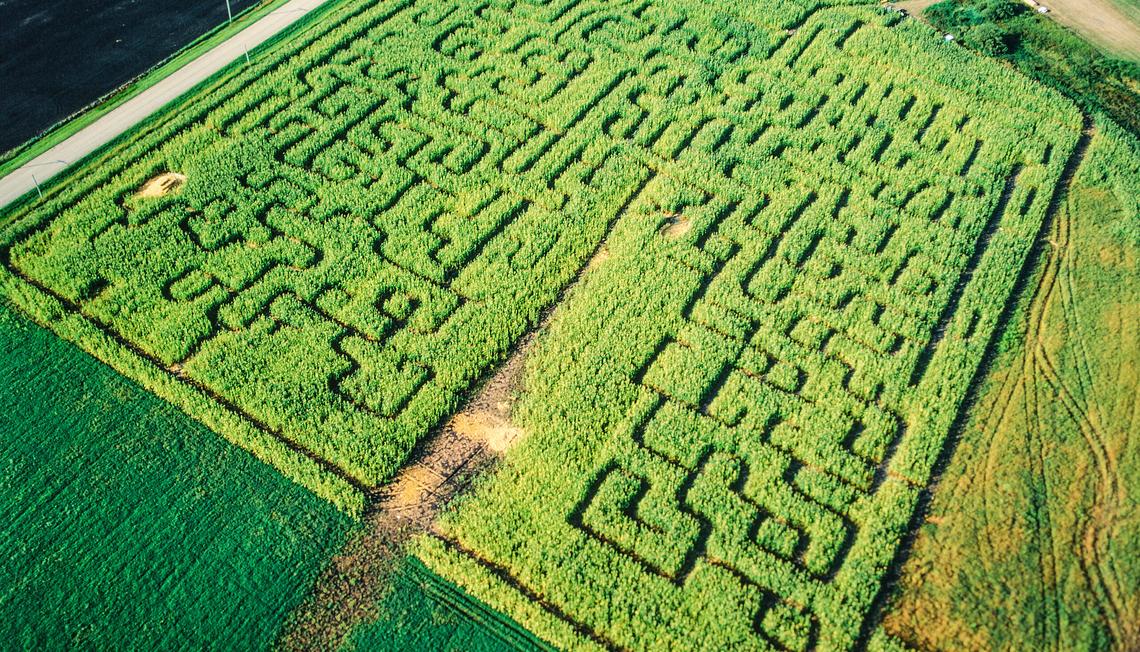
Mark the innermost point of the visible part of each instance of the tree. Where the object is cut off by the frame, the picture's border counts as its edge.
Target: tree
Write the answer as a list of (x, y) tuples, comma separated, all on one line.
[(998, 10), (989, 39)]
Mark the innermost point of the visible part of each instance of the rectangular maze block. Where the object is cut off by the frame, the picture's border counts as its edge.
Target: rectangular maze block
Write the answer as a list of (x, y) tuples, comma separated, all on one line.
[(773, 355)]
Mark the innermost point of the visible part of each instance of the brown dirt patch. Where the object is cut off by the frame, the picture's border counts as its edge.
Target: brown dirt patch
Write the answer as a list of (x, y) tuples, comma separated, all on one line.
[(163, 184), (487, 419), (486, 428), (351, 588), (676, 225)]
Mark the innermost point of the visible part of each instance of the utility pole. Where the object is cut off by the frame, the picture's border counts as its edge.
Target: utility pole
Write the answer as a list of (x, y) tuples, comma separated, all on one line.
[(229, 13), (38, 191)]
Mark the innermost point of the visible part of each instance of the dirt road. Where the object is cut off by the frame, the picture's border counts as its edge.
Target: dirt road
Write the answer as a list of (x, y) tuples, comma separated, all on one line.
[(53, 161)]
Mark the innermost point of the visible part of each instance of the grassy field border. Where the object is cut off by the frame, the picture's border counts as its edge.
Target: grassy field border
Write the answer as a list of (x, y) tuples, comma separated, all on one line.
[(12, 159)]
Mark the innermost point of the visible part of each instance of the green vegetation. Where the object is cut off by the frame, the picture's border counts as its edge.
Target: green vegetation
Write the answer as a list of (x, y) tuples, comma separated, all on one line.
[(1032, 535), (128, 526), (733, 417), (814, 215), (1047, 52), (365, 228), (424, 612)]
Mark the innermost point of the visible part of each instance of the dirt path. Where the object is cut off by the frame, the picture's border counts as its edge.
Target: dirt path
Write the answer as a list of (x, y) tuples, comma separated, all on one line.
[(45, 166), (441, 468), (1100, 21), (350, 590)]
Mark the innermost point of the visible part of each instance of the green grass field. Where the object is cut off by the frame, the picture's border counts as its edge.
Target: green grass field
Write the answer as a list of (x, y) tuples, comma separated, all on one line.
[(420, 611), (779, 244), (126, 525)]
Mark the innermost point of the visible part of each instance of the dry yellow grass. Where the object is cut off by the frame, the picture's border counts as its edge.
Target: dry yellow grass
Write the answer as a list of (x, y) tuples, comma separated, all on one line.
[(163, 184)]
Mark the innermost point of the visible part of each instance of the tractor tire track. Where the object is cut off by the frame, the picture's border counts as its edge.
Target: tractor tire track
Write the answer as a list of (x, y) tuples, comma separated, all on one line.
[(997, 415), (1094, 530)]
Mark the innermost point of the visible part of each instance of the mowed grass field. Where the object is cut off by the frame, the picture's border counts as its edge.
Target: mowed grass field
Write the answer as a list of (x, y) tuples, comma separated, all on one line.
[(126, 525), (421, 611), (1031, 540), (805, 223)]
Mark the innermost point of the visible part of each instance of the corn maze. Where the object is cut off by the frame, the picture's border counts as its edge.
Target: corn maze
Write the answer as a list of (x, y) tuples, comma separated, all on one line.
[(815, 216), (731, 423), (363, 230)]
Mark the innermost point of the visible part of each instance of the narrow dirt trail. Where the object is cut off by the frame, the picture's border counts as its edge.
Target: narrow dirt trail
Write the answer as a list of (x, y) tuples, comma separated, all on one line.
[(349, 592), (440, 470)]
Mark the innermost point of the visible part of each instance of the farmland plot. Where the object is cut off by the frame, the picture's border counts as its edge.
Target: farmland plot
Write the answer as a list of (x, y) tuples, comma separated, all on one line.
[(372, 215), (816, 216), (125, 525), (733, 417)]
